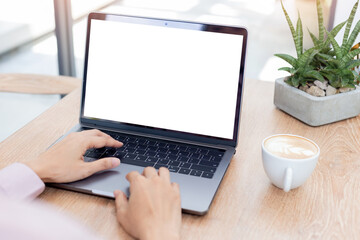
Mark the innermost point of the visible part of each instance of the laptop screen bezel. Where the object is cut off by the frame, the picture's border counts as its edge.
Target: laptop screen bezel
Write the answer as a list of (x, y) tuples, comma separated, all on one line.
[(120, 126)]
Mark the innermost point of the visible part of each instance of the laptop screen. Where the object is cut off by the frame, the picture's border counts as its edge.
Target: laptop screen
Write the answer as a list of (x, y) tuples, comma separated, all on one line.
[(164, 77)]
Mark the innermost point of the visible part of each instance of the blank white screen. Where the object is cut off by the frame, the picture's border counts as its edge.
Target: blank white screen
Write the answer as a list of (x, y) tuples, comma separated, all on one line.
[(176, 79)]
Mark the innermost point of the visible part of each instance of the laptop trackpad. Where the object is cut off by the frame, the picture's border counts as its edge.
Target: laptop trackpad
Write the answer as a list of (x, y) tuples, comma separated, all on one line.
[(105, 182)]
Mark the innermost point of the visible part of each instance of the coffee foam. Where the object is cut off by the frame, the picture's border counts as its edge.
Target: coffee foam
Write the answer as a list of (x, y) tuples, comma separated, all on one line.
[(291, 147)]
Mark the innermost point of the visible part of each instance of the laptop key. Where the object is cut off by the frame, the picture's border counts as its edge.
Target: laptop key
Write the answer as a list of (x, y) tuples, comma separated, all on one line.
[(216, 159), (129, 150), (141, 158), (195, 155), (152, 148), (183, 153), (118, 137), (183, 159), (216, 153), (206, 157), (137, 163), (110, 151), (151, 159), (160, 144), (119, 155), (203, 151), (163, 161), (192, 149), (139, 151), (150, 153), (151, 143), (208, 163), (131, 139), (174, 152), (174, 163), (181, 148), (184, 171), (132, 145), (194, 161), (173, 169), (141, 146), (203, 168), (122, 149), (171, 157), (140, 141), (162, 150), (161, 155), (100, 150), (185, 165), (157, 166), (130, 156), (207, 175), (196, 173), (171, 146)]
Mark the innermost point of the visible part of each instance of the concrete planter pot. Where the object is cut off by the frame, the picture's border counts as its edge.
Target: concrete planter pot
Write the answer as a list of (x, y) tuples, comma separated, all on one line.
[(316, 111)]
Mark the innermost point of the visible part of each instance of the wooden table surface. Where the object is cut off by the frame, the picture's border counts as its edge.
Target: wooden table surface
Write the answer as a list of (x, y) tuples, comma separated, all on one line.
[(246, 205)]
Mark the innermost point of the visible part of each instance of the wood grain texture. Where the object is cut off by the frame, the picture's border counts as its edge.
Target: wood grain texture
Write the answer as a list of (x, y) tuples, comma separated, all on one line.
[(38, 84), (246, 206)]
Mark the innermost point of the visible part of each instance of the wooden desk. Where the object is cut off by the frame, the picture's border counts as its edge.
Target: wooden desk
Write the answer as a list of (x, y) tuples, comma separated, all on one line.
[(246, 206)]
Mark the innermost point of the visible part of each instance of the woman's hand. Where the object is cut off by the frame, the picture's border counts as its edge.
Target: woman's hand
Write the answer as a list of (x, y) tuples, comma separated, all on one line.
[(64, 162), (153, 210)]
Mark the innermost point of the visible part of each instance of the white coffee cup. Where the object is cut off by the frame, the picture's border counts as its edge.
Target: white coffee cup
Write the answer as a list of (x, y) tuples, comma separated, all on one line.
[(289, 159)]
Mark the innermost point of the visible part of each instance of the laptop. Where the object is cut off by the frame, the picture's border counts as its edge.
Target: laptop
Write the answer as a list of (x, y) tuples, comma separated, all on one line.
[(171, 92)]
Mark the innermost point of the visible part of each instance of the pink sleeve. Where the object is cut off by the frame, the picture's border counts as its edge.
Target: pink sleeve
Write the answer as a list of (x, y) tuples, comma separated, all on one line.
[(20, 182)]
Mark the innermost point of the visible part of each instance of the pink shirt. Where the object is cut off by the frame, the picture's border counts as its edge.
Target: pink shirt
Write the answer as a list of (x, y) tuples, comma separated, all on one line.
[(21, 218)]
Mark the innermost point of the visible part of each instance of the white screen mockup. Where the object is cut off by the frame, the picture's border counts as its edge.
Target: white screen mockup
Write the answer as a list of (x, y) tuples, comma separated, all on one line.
[(169, 78)]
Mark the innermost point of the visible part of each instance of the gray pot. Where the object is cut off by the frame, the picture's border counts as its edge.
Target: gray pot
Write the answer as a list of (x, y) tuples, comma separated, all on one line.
[(316, 111)]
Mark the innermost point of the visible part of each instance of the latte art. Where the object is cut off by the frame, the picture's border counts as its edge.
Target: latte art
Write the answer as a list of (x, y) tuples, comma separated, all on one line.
[(293, 147)]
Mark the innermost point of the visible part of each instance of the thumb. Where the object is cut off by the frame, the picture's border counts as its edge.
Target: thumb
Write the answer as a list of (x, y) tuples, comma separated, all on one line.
[(100, 165), (121, 203)]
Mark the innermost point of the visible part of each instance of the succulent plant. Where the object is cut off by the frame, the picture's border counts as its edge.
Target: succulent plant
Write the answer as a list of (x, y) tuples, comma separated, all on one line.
[(301, 70), (339, 69), (320, 43), (327, 60)]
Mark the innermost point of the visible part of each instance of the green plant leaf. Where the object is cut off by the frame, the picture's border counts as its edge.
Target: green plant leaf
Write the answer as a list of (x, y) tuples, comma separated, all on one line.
[(356, 77), (310, 57), (295, 81), (292, 29), (333, 63), (349, 85), (350, 42), (290, 59), (292, 71), (338, 52), (314, 39), (315, 75), (352, 64), (320, 20), (347, 73), (325, 56), (334, 32), (349, 57), (328, 76), (349, 23), (335, 82), (299, 37), (302, 59)]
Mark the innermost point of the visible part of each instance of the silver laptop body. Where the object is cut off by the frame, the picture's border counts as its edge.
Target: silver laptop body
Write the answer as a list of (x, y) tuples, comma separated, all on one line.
[(171, 83)]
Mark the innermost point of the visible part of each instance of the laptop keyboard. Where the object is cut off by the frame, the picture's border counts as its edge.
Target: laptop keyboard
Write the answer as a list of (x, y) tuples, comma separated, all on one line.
[(179, 158)]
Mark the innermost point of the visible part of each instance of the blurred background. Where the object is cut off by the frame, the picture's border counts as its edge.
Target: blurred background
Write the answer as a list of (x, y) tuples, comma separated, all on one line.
[(28, 42)]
